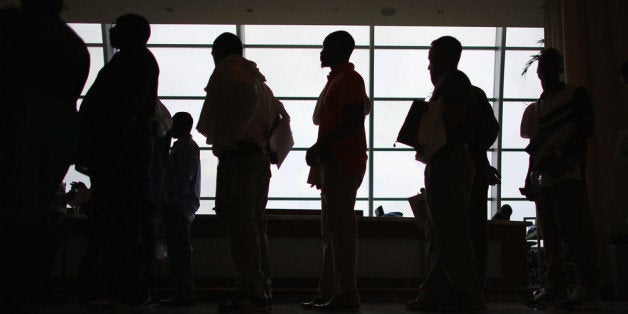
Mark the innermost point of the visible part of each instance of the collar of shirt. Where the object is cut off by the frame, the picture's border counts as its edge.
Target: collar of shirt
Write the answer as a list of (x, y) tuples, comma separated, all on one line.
[(341, 68)]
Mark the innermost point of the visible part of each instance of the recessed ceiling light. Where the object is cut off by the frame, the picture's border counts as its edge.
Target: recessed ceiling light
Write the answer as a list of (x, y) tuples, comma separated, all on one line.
[(249, 10), (334, 11), (169, 9), (388, 11), (440, 11)]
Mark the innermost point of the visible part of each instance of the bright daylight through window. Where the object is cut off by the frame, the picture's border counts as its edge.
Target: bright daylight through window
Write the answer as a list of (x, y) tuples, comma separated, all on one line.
[(394, 67)]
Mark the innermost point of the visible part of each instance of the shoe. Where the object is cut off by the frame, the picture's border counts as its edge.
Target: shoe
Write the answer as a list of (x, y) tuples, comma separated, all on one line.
[(337, 305), (582, 299), (245, 304), (548, 299), (177, 302), (421, 304), (318, 300)]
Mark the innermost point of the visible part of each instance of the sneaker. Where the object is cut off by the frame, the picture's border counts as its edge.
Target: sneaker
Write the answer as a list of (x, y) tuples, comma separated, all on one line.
[(582, 299), (338, 305), (421, 304), (318, 300), (548, 299), (245, 304)]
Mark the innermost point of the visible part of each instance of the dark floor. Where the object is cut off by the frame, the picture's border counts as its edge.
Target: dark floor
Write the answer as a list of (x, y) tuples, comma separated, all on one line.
[(373, 302), (367, 308)]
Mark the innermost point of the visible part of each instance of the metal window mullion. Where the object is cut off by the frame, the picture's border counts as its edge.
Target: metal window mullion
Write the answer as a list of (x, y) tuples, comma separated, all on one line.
[(498, 94), (371, 115)]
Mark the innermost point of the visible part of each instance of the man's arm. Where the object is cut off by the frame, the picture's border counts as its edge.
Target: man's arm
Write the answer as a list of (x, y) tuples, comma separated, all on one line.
[(353, 118)]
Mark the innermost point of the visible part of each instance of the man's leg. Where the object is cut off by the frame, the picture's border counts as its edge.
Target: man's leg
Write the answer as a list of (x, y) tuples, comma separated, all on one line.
[(339, 191), (554, 277), (236, 196), (448, 184), (478, 230), (177, 229), (263, 182), (575, 223), (327, 286)]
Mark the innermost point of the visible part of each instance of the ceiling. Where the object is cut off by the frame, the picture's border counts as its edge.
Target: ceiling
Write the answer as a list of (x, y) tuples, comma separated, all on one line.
[(527, 13)]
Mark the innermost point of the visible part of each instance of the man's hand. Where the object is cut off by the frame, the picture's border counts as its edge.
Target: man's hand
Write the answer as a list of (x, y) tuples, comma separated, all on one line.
[(320, 149), (311, 154), (493, 176)]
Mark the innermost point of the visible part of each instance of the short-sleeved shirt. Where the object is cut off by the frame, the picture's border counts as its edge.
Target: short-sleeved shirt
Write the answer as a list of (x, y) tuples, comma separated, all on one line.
[(344, 87)]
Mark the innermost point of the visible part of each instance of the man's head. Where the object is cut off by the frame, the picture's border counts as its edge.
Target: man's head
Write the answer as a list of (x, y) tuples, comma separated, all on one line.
[(181, 124), (337, 48), (42, 7), (224, 45), (444, 56), (550, 67), (130, 31)]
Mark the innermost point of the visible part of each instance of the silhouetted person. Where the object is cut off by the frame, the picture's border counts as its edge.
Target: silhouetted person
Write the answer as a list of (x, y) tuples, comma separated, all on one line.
[(503, 213), (558, 126), (452, 282), (237, 119), (486, 130), (623, 72), (340, 155), (43, 68), (116, 150), (182, 189)]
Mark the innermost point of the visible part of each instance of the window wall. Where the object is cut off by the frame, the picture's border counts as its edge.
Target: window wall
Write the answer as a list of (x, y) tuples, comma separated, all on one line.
[(393, 62)]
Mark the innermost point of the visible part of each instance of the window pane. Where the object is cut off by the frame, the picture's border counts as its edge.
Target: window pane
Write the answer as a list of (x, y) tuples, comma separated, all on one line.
[(524, 37), (206, 208), (193, 107), (389, 117), (300, 34), (209, 162), (291, 179), (297, 72), (306, 204), (187, 34), (402, 73), (90, 33), (479, 66), (514, 169), (96, 62), (521, 209), (512, 113), (394, 206), (304, 131), (75, 176), (424, 35), (516, 85), (397, 174), (183, 71)]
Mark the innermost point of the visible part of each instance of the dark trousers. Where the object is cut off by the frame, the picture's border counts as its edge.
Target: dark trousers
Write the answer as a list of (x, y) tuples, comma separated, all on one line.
[(241, 194), (452, 270), (478, 230), (177, 232), (339, 231), (564, 218), (118, 187), (39, 139)]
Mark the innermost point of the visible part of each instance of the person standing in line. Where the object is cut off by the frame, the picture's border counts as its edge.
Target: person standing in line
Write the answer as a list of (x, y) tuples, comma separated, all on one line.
[(340, 155), (452, 282), (43, 68), (116, 151), (182, 190), (237, 119), (558, 126)]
